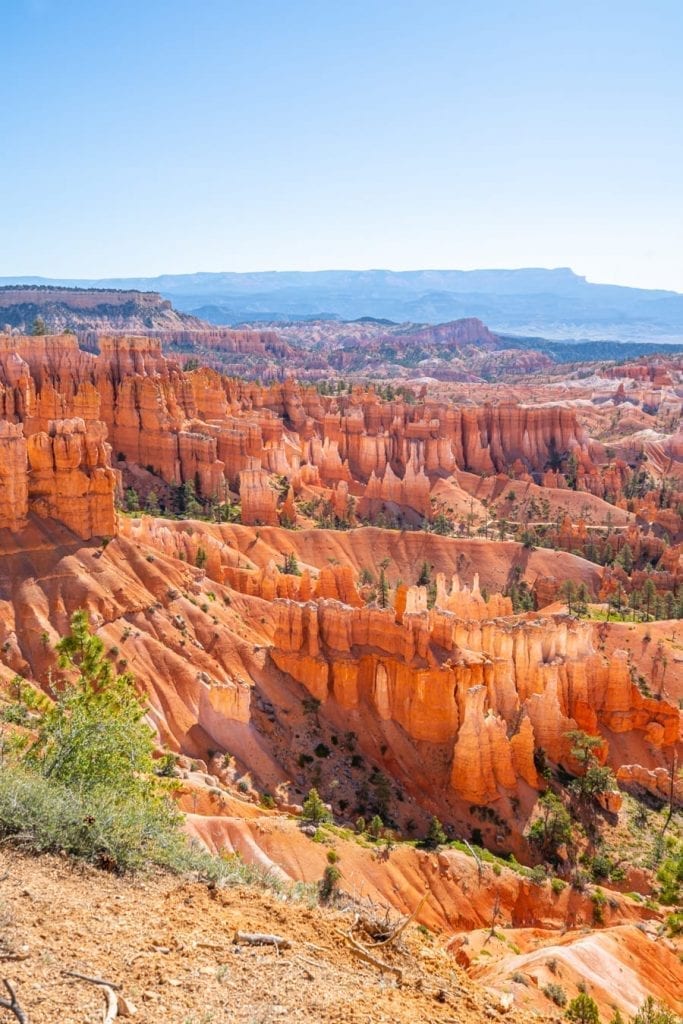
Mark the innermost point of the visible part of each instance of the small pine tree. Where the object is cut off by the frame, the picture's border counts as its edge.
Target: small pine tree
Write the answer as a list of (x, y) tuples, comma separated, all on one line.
[(132, 500), (654, 1013), (38, 327), (328, 884), (314, 809), (569, 593), (583, 1010), (376, 827), (290, 565), (424, 579), (200, 558), (435, 834), (625, 559), (152, 504), (383, 589)]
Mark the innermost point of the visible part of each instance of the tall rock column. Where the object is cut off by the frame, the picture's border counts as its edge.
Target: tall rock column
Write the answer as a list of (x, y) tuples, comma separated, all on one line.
[(13, 476), (71, 479)]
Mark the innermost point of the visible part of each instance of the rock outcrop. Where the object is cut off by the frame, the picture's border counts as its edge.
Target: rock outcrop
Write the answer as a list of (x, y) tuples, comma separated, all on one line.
[(71, 479)]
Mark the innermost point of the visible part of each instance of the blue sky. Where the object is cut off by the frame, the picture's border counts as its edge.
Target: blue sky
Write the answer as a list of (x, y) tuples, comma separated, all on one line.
[(175, 136)]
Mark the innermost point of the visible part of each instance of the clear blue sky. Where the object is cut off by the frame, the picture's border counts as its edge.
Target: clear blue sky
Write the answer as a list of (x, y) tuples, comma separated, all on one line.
[(173, 136)]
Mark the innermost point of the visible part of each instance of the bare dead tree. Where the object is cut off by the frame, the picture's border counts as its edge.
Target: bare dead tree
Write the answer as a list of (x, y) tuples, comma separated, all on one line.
[(672, 790)]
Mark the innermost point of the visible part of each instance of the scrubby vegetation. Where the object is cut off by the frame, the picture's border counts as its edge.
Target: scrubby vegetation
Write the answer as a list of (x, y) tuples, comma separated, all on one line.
[(79, 776)]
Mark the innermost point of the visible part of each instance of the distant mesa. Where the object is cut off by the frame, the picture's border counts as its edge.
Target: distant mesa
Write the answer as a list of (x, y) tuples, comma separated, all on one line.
[(553, 303)]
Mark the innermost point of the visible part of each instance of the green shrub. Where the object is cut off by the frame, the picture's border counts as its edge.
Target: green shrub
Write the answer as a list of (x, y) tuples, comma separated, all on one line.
[(165, 766), (435, 835), (674, 923), (328, 883), (670, 876), (553, 828), (654, 1013), (583, 1010), (557, 885), (599, 900), (101, 826), (87, 784), (314, 809), (556, 993)]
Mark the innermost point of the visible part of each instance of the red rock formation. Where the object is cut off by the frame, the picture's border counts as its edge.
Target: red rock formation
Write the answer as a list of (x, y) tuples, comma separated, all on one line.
[(491, 693), (71, 479), (13, 477)]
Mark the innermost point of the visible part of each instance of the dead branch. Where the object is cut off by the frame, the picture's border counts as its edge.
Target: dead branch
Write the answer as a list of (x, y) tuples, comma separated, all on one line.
[(364, 954), (112, 1007), (92, 981), (480, 866), (403, 925), (261, 939), (12, 1004), (672, 791)]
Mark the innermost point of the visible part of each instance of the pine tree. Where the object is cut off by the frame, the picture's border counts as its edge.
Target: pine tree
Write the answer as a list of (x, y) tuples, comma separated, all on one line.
[(152, 504), (435, 834), (583, 1010), (383, 589), (132, 500), (569, 593), (314, 809), (425, 576)]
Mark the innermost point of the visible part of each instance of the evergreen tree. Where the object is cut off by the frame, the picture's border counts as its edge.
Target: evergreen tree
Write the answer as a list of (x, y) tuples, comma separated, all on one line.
[(94, 734), (553, 828), (435, 834), (425, 576), (132, 500), (152, 504), (649, 596), (314, 809), (583, 1010), (625, 559), (569, 593)]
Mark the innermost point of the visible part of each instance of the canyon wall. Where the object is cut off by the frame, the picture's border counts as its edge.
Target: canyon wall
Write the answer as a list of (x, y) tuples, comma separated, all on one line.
[(219, 433)]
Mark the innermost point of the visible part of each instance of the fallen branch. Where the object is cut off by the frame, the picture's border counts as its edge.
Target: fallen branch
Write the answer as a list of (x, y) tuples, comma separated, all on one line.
[(112, 1007), (261, 939), (92, 981), (364, 954), (403, 925), (12, 1003)]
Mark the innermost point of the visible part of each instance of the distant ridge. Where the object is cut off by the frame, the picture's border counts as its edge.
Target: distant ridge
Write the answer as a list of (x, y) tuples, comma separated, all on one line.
[(556, 304)]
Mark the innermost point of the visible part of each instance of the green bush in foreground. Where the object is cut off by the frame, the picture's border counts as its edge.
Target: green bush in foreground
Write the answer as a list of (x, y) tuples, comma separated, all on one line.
[(86, 783)]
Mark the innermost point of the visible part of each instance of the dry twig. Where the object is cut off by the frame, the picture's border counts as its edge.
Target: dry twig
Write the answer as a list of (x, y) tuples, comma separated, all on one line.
[(12, 1004), (261, 939), (109, 989), (403, 925), (364, 954)]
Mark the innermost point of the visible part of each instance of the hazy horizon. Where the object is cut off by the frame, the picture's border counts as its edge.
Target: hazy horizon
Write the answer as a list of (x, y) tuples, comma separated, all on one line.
[(28, 278)]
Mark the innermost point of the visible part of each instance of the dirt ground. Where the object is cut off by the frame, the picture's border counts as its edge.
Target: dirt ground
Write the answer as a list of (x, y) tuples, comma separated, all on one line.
[(168, 944)]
